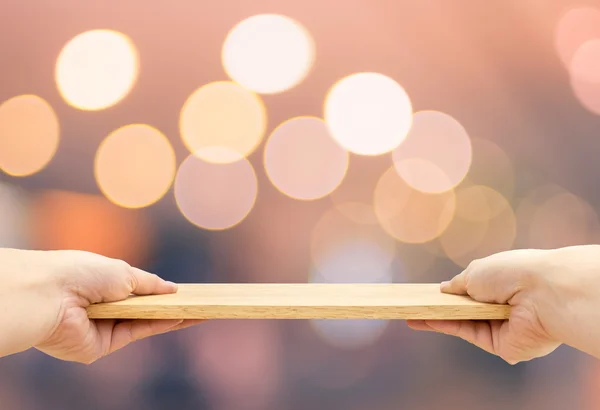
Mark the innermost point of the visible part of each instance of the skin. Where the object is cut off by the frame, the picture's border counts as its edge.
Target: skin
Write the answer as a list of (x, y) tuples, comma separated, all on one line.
[(43, 296), (554, 294), (555, 299)]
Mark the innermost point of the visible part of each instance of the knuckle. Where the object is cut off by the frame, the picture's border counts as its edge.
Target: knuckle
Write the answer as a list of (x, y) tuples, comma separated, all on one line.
[(132, 281)]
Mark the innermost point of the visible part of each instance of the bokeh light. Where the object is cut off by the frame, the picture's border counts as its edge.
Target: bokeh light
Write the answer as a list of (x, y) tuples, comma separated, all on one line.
[(349, 334), (335, 237), (585, 65), (303, 161), (368, 113), (69, 220), (222, 121), (563, 219), (14, 217), (484, 223), (436, 154), (574, 28), (491, 166), (416, 261), (357, 260), (410, 215), (226, 357), (585, 77), (215, 196), (29, 135), (528, 206), (268, 53), (354, 197), (135, 166), (588, 94), (96, 69)]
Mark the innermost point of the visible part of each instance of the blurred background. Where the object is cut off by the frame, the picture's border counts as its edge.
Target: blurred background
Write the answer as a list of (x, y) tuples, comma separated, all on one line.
[(287, 141)]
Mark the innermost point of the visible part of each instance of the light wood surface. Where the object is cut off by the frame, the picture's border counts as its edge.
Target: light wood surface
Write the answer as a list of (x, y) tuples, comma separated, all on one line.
[(300, 301)]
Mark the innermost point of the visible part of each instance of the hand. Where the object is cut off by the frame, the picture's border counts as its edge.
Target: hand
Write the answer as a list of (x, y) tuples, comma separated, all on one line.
[(43, 300), (555, 299)]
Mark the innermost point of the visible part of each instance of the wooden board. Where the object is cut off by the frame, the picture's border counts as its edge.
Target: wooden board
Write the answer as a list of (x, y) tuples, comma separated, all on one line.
[(300, 301)]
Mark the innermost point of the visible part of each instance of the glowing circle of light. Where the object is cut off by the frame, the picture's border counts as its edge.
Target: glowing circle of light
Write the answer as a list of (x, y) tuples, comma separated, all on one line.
[(354, 196), (351, 334), (585, 64), (436, 154), (29, 135), (303, 161), (484, 224), (96, 69), (410, 215), (215, 196), (491, 166), (527, 208), (135, 166), (360, 260), (268, 53), (588, 94), (564, 219), (574, 28), (334, 234), (368, 113), (222, 121)]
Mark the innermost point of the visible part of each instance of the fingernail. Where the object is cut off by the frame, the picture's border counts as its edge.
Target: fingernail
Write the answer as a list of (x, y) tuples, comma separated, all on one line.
[(444, 285), (172, 284)]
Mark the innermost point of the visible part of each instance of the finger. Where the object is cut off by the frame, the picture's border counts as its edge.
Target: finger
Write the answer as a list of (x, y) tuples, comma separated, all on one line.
[(129, 331), (144, 283), (185, 324), (419, 325), (479, 333), (456, 286)]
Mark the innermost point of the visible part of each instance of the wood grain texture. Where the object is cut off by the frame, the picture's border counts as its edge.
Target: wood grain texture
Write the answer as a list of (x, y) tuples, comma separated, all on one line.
[(301, 301)]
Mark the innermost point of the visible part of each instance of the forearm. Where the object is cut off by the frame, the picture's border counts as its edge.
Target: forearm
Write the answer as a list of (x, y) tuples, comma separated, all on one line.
[(570, 302), (26, 296)]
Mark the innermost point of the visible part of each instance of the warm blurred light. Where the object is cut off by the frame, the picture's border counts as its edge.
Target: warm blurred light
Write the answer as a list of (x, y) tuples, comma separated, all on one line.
[(303, 161), (354, 197), (68, 220), (268, 53), (226, 357), (29, 135), (484, 224), (96, 69), (368, 113), (409, 215), (222, 121), (215, 196), (416, 261), (436, 154), (528, 206), (14, 217), (585, 77), (492, 167), (585, 64), (135, 166), (575, 27), (355, 261), (336, 237), (587, 93), (564, 219), (349, 334)]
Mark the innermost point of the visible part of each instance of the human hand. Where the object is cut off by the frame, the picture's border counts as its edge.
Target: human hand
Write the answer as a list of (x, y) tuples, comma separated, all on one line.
[(555, 299), (44, 298)]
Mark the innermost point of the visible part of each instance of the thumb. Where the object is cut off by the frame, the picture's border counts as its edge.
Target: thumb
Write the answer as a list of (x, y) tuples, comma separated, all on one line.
[(456, 286), (494, 279)]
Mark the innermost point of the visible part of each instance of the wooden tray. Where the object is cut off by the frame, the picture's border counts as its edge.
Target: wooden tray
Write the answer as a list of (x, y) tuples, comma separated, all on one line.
[(301, 301)]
